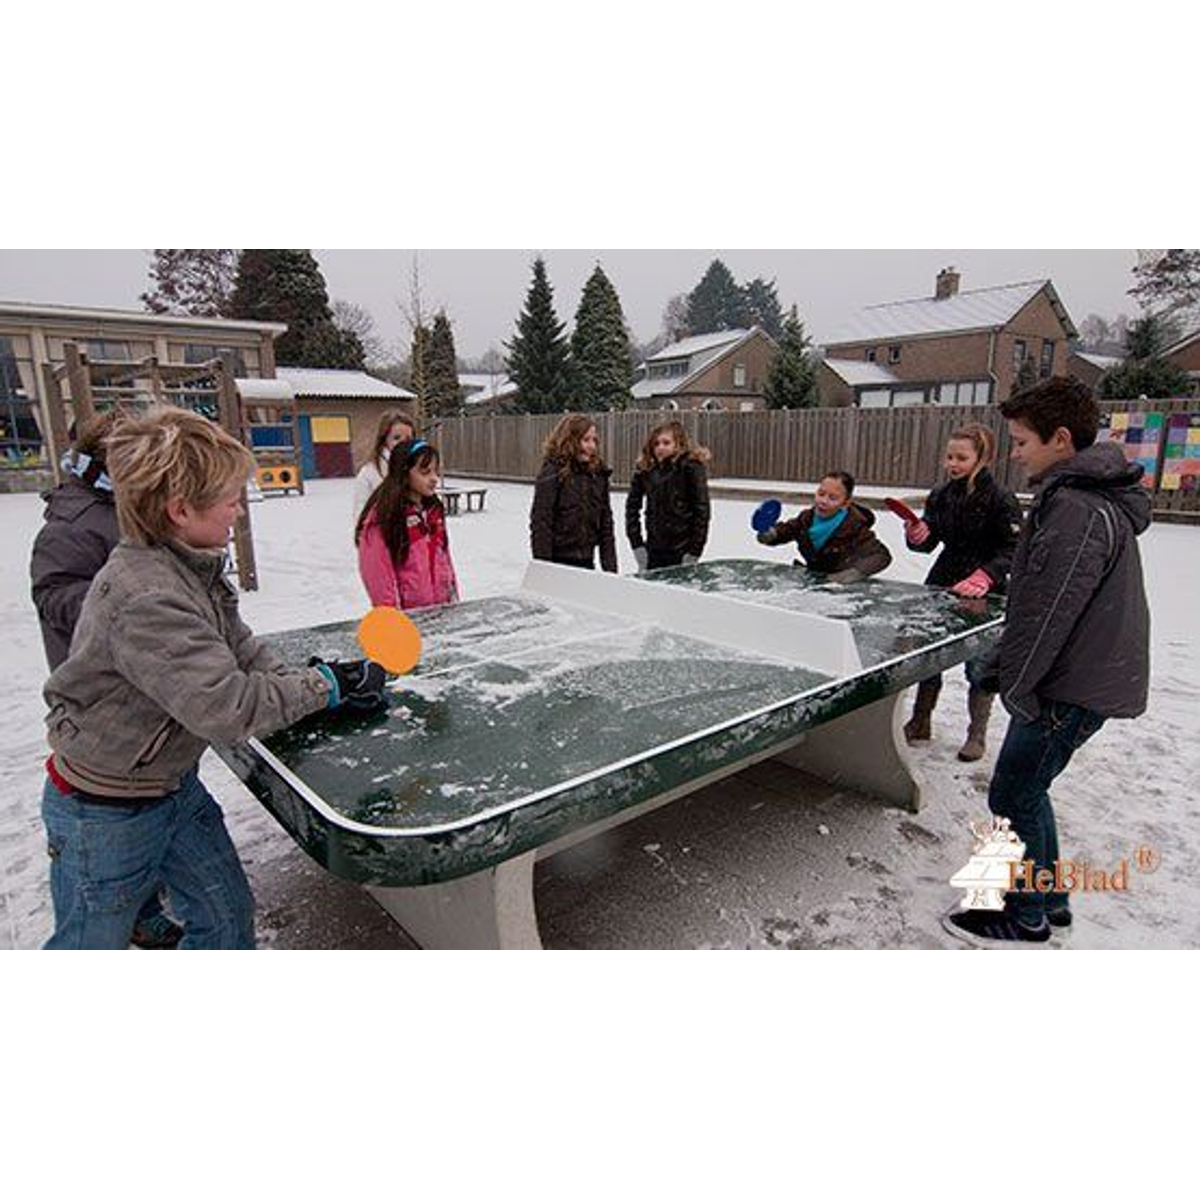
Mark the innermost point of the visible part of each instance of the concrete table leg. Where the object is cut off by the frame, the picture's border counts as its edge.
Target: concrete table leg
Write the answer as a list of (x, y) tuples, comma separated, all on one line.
[(491, 910), (864, 751)]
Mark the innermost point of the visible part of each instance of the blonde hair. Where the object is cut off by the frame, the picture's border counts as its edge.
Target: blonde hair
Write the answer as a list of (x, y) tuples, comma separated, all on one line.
[(170, 454), (984, 441), (683, 444), (565, 443)]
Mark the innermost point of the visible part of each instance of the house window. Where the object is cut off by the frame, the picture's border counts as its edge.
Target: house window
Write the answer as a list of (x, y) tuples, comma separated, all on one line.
[(739, 374), (1018, 354), (893, 354), (711, 405), (671, 406), (1047, 363), (870, 356), (199, 353), (105, 351), (20, 432)]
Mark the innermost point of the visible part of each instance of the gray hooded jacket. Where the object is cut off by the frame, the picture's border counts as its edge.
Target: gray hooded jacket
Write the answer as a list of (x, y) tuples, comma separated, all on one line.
[(1077, 628), (162, 665)]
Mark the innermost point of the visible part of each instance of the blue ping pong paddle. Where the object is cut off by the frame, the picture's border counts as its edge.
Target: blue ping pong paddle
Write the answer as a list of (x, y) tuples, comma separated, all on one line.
[(765, 515)]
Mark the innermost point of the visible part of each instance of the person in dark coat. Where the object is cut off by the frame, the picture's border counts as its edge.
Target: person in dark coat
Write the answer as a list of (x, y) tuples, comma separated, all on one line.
[(835, 537), (671, 480), (571, 514), (1076, 644), (79, 534), (976, 523)]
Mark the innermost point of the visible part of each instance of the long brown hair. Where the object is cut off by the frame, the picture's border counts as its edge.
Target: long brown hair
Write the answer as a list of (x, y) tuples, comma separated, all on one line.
[(389, 500), (984, 441), (565, 443), (646, 459), (387, 420)]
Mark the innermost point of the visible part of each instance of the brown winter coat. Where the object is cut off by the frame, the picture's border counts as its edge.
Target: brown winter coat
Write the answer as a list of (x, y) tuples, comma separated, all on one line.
[(852, 552), (161, 666)]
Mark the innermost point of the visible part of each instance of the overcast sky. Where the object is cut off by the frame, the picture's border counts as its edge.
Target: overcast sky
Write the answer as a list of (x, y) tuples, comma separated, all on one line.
[(483, 290)]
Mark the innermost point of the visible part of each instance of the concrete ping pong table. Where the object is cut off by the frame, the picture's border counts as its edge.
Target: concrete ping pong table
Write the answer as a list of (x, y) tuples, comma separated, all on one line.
[(540, 718)]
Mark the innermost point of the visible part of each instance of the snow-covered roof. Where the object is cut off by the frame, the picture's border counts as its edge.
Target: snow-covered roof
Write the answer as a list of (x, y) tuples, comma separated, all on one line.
[(20, 309), (485, 388), (983, 308), (700, 351), (1182, 343), (265, 389), (1104, 361), (686, 347), (861, 374), (324, 381)]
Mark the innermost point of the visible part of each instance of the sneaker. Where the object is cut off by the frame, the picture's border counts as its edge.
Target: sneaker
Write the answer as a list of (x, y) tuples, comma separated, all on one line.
[(159, 932), (987, 928), (1060, 918)]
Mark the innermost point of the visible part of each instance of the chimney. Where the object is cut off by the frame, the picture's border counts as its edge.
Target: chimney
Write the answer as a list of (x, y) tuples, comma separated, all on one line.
[(947, 284)]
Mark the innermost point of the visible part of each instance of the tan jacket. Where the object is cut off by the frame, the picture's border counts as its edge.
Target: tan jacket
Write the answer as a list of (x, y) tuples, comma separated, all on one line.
[(161, 665)]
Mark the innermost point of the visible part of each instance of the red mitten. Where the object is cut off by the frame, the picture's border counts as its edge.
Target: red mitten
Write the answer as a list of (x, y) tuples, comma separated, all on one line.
[(978, 583), (917, 532)]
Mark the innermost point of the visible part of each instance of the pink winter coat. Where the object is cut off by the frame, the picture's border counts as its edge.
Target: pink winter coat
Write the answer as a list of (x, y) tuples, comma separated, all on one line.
[(425, 577)]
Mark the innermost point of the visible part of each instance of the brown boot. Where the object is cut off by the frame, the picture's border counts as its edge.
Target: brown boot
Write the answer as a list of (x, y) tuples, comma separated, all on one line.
[(979, 705), (918, 728)]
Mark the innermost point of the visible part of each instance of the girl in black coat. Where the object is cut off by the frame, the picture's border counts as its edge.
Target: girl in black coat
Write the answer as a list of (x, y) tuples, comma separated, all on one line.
[(976, 522), (572, 512), (671, 479)]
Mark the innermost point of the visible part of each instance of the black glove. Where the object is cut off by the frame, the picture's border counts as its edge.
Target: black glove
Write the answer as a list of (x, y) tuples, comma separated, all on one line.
[(359, 683)]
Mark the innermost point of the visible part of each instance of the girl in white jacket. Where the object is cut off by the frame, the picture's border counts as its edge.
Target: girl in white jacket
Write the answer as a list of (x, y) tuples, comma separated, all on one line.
[(394, 426)]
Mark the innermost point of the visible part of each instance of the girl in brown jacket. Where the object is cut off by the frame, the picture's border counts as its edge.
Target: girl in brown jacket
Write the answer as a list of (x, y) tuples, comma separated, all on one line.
[(834, 537)]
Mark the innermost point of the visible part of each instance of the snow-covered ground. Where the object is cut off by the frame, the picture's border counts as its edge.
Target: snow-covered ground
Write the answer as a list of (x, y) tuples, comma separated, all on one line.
[(833, 871)]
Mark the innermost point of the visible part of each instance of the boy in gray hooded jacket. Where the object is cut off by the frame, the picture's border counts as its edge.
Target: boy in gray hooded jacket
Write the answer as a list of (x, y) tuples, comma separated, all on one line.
[(160, 666), (1076, 644)]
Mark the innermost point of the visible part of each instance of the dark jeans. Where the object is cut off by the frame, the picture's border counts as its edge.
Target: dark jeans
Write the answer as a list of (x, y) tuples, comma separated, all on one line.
[(587, 564), (1034, 754)]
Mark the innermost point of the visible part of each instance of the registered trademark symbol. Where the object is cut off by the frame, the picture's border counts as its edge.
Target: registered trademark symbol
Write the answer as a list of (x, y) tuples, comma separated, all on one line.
[(1147, 859)]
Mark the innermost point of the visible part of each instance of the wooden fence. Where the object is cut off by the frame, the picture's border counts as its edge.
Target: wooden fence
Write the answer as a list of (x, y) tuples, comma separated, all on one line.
[(899, 448)]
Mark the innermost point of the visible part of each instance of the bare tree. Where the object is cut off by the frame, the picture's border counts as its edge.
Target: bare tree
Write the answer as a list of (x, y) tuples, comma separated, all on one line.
[(675, 318), (353, 318)]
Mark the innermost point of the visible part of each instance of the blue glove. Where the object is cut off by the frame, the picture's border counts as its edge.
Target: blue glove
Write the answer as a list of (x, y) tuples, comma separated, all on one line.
[(690, 560), (765, 515), (358, 684)]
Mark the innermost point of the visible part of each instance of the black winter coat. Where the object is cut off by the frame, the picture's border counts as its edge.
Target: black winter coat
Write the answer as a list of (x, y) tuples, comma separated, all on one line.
[(572, 515), (1077, 628), (80, 533), (975, 529), (677, 508), (852, 552)]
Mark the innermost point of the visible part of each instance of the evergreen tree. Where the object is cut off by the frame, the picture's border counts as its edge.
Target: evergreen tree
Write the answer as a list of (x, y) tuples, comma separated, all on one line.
[(762, 305), (539, 355), (716, 302), (1145, 372), (287, 286), (418, 366), (1026, 375), (194, 283), (792, 379), (600, 348), (441, 370)]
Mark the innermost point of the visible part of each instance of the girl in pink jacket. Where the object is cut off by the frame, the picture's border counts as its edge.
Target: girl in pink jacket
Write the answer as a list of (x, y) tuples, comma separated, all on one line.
[(403, 550)]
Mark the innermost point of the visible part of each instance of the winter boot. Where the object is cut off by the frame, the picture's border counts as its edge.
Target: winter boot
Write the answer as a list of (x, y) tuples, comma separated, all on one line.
[(979, 705), (918, 728)]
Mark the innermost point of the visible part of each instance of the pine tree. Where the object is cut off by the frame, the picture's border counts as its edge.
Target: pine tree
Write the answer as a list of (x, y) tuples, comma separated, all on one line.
[(539, 355), (792, 379), (1145, 372), (195, 283), (418, 366), (716, 302), (287, 286), (762, 305), (441, 370), (600, 348)]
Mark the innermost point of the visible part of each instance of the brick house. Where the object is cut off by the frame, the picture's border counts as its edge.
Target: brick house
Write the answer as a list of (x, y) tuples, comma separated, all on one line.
[(1185, 354), (1090, 368), (951, 348), (714, 371)]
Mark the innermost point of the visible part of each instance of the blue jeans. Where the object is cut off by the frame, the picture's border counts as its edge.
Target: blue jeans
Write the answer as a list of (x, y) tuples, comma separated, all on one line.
[(107, 860), (1034, 754)]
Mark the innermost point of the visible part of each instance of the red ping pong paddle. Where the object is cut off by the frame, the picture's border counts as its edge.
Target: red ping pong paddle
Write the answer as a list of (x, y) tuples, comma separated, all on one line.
[(901, 509)]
